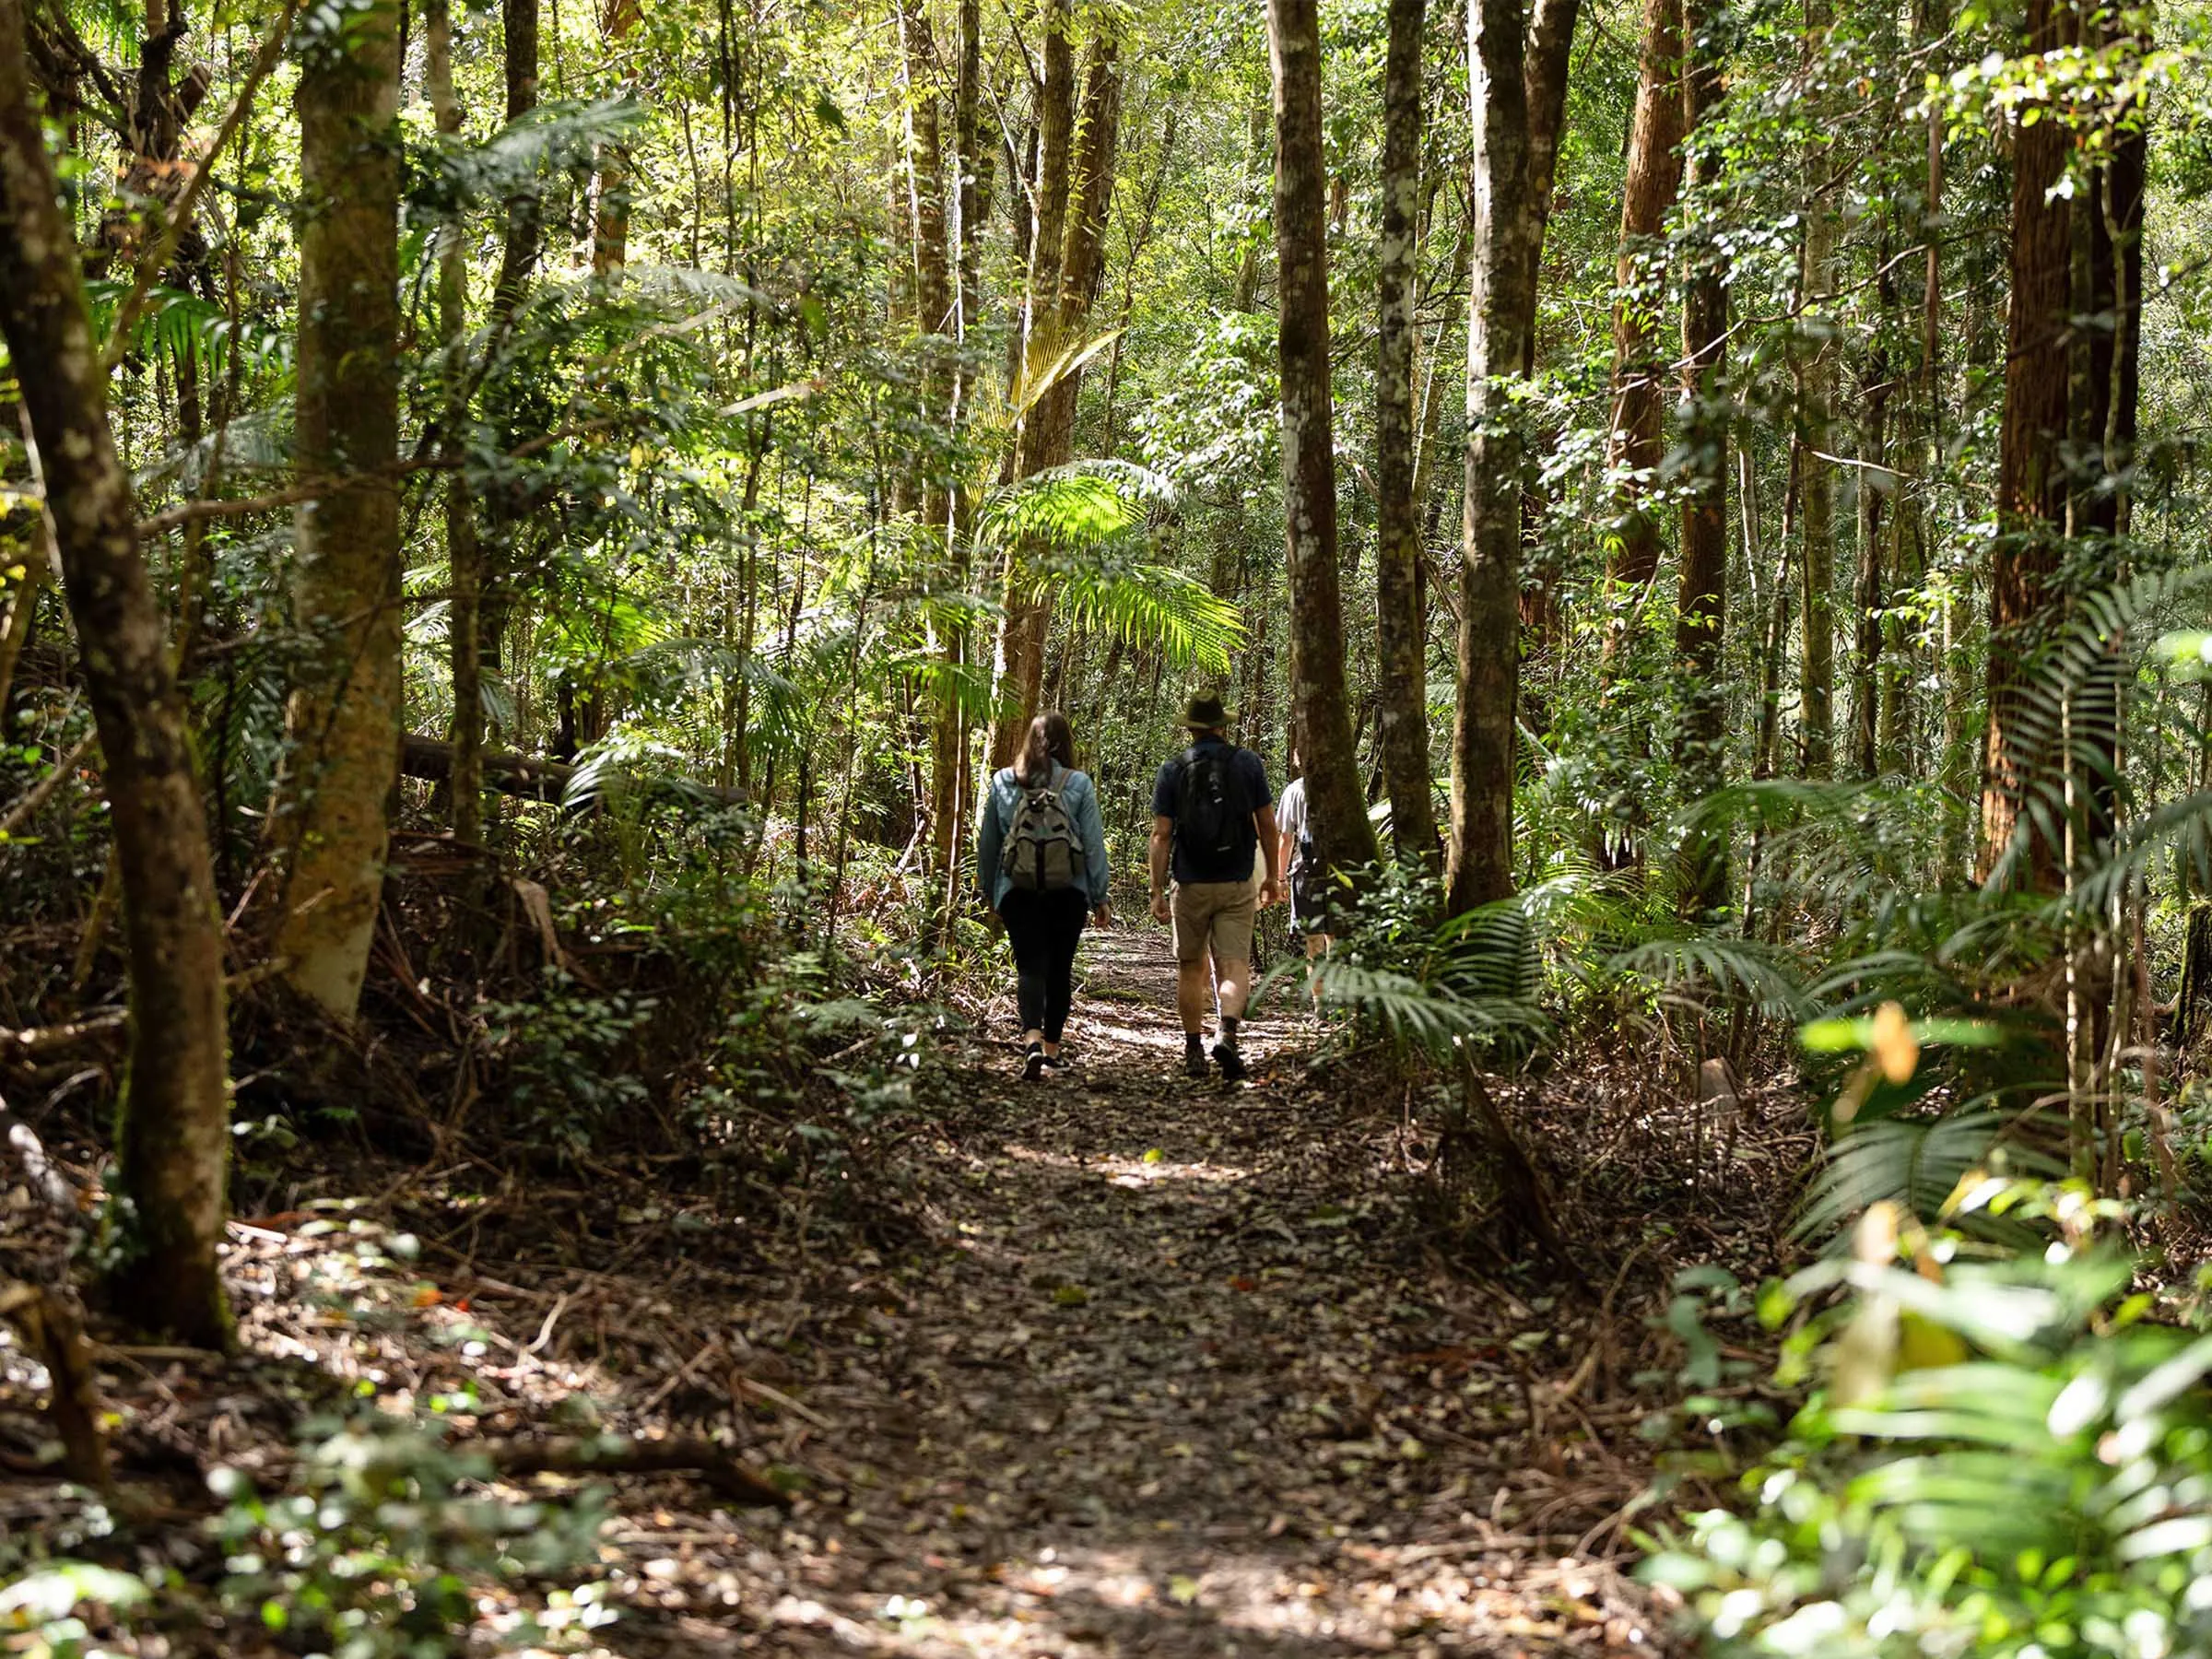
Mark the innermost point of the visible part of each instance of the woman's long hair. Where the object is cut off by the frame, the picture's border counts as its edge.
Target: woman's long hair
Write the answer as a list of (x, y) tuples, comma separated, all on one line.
[(1051, 739)]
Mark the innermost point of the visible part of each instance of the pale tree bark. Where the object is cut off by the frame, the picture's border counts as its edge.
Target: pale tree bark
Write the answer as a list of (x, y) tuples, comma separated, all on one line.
[(464, 557), (1701, 608), (1400, 634), (343, 723), (172, 1131), (935, 320), (1320, 709), (611, 202), (1500, 299), (1062, 287), (1635, 442), (948, 735)]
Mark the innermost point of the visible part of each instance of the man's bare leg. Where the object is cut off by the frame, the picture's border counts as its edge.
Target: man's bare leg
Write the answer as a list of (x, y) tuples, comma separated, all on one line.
[(1193, 985), (1232, 987)]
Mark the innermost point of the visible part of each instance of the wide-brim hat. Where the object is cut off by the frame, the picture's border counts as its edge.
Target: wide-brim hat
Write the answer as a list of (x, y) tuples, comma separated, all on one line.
[(1206, 714)]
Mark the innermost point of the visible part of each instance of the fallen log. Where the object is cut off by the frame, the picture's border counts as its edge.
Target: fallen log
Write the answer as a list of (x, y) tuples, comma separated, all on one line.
[(530, 779), (614, 1454)]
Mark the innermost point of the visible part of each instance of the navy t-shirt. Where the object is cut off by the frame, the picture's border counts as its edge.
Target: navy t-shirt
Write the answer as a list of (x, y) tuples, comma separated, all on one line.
[(1167, 792)]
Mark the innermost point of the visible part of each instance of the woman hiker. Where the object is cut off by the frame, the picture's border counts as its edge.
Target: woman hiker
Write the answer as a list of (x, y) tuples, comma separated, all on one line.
[(1040, 864)]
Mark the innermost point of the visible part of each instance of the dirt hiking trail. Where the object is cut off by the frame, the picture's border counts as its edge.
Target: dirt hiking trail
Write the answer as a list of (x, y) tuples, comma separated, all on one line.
[(1175, 1376), (1114, 1364)]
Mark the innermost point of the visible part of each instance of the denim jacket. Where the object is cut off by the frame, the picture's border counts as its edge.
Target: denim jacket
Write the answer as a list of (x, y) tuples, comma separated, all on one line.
[(1076, 794)]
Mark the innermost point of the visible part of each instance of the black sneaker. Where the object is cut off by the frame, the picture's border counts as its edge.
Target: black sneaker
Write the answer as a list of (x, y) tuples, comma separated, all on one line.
[(1194, 1060), (1033, 1065), (1230, 1062), (1054, 1062)]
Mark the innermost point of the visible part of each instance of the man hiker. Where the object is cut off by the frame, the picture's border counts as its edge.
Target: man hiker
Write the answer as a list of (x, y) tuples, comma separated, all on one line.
[(1213, 818)]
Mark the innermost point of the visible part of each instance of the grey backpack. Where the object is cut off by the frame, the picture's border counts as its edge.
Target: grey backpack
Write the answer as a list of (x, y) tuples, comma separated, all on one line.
[(1043, 854)]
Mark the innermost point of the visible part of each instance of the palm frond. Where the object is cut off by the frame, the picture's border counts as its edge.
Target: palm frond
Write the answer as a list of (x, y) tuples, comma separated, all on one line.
[(1913, 1162)]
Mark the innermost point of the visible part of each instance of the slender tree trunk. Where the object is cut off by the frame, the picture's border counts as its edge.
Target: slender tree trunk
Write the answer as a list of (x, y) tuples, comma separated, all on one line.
[(1874, 491), (948, 735), (28, 555), (172, 1130), (936, 320), (1816, 487), (464, 556), (1401, 636), (1061, 291), (343, 723), (1550, 46), (1635, 442), (1480, 864), (1021, 635), (1259, 163), (518, 257), (1701, 608), (1319, 702), (611, 204)]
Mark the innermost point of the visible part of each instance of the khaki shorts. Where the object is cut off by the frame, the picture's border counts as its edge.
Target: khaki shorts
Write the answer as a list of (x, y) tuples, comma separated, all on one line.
[(1218, 914)]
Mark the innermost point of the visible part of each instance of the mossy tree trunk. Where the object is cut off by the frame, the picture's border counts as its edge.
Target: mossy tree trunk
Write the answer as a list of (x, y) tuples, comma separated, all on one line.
[(173, 1130), (343, 721)]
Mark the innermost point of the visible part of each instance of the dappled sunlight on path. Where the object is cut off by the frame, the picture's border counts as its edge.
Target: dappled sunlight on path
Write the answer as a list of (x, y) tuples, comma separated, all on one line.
[(1174, 1377)]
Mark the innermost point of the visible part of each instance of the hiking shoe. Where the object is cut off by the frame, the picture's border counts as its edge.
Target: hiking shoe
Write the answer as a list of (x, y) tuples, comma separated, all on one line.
[(1193, 1061), (1033, 1064), (1230, 1062), (1054, 1062)]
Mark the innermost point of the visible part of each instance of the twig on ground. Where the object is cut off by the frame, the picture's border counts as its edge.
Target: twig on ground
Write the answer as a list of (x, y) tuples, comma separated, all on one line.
[(613, 1455)]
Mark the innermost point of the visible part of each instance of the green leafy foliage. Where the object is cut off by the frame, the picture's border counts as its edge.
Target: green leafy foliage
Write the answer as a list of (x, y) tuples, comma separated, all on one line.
[(2024, 1472)]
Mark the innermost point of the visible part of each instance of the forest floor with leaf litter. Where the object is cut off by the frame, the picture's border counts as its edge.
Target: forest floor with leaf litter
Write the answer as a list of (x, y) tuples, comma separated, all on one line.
[(1141, 1366)]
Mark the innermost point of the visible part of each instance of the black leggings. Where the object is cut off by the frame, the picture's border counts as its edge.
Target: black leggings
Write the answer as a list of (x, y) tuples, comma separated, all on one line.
[(1044, 929)]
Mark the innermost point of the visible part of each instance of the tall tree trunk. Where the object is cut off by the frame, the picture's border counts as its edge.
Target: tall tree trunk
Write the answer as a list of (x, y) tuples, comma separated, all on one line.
[(1061, 291), (1817, 484), (1259, 167), (611, 204), (518, 257), (1550, 46), (1635, 443), (2031, 482), (343, 723), (173, 1130), (1400, 634), (936, 320), (1702, 606), (1480, 863), (1320, 709), (462, 553), (1869, 598), (948, 736), (1021, 635)]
